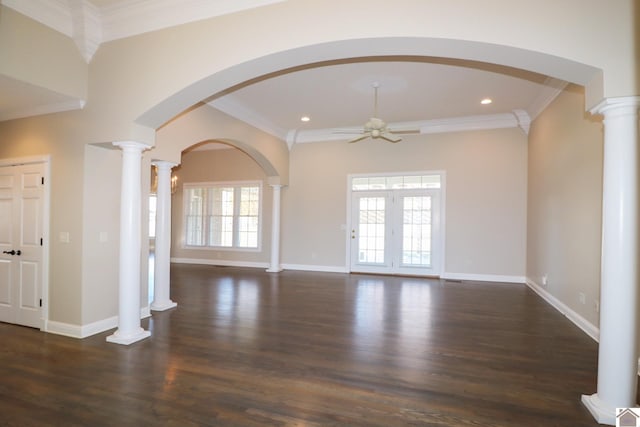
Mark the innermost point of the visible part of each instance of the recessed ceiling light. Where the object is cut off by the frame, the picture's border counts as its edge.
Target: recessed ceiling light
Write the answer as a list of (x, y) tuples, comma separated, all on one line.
[(305, 118), (486, 101)]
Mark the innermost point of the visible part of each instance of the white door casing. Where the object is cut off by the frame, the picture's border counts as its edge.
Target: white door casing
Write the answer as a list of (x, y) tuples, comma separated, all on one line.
[(22, 203)]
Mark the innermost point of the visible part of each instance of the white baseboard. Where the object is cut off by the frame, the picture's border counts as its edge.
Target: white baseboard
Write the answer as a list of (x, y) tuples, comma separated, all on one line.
[(483, 277), (65, 329), (220, 262), (231, 263), (318, 268), (84, 331), (582, 323)]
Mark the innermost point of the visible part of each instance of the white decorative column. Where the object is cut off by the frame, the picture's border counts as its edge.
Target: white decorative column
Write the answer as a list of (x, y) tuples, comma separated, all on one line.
[(618, 354), (129, 330), (161, 285), (275, 231)]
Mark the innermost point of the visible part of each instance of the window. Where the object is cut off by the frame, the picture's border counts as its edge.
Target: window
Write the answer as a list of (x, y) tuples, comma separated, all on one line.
[(395, 182), (222, 215), (152, 215)]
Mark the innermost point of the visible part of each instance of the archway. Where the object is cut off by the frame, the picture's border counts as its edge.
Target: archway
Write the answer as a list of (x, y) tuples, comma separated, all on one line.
[(286, 61)]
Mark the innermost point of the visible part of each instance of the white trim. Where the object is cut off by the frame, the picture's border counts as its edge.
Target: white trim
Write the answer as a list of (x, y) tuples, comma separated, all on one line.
[(549, 92), (86, 22), (84, 331), (440, 259), (483, 277), (125, 19), (66, 329), (453, 124), (54, 14), (218, 184), (578, 320), (316, 268), (45, 226), (74, 104), (615, 102), (220, 262), (16, 161), (232, 107), (46, 243)]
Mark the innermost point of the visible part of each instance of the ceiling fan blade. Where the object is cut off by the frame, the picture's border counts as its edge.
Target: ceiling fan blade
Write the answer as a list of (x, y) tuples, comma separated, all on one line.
[(405, 131), (388, 137), (346, 132), (360, 138)]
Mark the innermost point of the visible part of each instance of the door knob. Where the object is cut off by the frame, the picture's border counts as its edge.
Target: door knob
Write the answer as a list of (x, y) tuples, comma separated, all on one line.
[(18, 252), (11, 252)]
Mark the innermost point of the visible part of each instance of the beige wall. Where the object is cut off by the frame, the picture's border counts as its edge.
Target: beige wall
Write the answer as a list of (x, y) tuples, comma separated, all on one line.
[(565, 202), (57, 136), (101, 216), (485, 197), (215, 166)]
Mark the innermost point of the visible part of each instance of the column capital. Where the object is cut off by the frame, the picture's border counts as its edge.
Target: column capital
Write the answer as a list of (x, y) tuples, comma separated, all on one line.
[(608, 105), (276, 186), (131, 145), (164, 164)]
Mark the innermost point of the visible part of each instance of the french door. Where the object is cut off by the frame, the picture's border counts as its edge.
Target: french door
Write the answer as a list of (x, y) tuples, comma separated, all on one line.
[(21, 253), (396, 232)]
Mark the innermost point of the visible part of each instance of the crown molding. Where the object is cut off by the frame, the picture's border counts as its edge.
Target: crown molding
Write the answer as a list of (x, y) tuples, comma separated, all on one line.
[(90, 26), (134, 17), (42, 109), (54, 14), (87, 27), (550, 91), (518, 118), (469, 123), (233, 108), (524, 120)]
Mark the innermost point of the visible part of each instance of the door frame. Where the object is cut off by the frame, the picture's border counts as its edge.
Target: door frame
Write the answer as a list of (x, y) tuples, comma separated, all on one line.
[(440, 260), (46, 204)]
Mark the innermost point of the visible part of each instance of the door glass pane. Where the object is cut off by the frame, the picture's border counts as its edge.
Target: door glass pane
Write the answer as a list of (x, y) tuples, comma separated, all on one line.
[(371, 230), (416, 231)]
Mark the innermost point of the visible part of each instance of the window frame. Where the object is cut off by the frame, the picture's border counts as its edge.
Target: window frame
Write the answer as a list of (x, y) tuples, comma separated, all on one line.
[(237, 185)]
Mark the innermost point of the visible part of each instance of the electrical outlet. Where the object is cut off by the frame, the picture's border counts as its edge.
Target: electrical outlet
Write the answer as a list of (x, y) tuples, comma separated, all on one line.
[(582, 298), (597, 304), (545, 280)]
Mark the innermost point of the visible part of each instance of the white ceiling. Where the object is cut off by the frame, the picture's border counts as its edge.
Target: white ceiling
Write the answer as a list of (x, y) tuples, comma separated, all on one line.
[(428, 94)]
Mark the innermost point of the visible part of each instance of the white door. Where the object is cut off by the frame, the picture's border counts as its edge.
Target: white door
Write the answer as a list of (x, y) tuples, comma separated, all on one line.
[(21, 215), (396, 232), (370, 231)]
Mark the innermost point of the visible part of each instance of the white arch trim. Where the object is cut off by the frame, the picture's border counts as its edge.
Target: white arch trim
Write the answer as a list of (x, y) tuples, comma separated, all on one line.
[(360, 49)]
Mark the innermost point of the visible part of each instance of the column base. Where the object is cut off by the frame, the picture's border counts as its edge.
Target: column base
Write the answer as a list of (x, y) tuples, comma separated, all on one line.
[(601, 412), (274, 270), (130, 338), (163, 305)]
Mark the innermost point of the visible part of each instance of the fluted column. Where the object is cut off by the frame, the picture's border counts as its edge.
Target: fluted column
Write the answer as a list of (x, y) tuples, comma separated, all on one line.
[(617, 353), (162, 271), (275, 231), (129, 329)]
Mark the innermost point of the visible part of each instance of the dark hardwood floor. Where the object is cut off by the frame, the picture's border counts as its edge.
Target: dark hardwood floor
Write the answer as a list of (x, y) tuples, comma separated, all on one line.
[(248, 348)]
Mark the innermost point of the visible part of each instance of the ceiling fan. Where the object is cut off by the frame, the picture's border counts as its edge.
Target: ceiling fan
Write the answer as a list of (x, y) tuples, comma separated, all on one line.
[(376, 128)]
